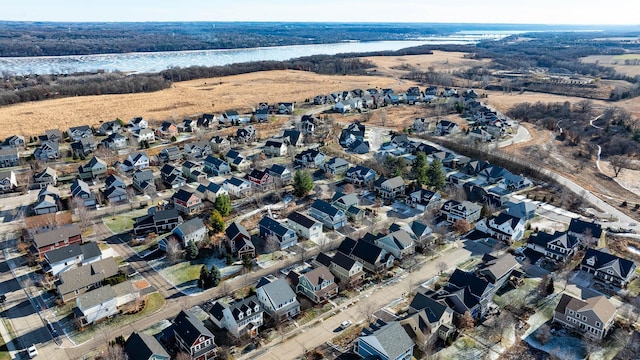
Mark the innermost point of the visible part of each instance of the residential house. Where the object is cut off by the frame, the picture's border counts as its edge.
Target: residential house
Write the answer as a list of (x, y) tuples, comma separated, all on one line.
[(158, 222), (492, 173), (188, 125), (592, 317), (246, 134), (47, 151), (206, 121), (384, 341), (372, 257), (48, 176), (240, 241), (428, 320), (308, 124), (96, 305), (423, 199), (242, 317), (191, 230), (192, 170), (138, 123), (109, 127), (446, 127), (78, 132), (398, 243), (348, 271), (277, 298), (236, 161), (144, 347), (216, 166), (262, 115), (476, 293), (389, 188), (336, 166), (115, 195), (172, 176), (281, 174), (271, 229), (421, 125), (237, 187), (497, 270), (84, 146), (293, 137), (219, 144), (71, 256), (186, 202), (343, 106), (359, 147), (192, 337), (504, 227), (311, 158), (231, 116), (145, 135), (260, 179), (360, 175), (198, 150), (9, 157), (558, 247), (52, 135), (8, 181), (454, 210), (305, 226), (353, 132), (46, 204), (416, 229), (76, 282), (210, 191), (114, 181), (81, 190), (95, 168), (136, 161), (275, 147), (56, 238), (143, 181), (285, 108), (345, 201), (522, 209), (169, 154), (166, 130), (608, 269), (586, 232), (332, 217), (318, 285)]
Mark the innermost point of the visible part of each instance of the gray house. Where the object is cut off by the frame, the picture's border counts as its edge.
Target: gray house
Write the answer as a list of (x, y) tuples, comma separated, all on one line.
[(329, 215)]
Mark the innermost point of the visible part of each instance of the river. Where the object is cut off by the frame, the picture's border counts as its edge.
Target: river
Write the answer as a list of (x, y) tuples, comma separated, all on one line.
[(158, 61)]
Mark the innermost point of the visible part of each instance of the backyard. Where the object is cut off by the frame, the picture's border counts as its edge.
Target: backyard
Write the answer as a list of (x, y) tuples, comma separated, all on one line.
[(123, 222)]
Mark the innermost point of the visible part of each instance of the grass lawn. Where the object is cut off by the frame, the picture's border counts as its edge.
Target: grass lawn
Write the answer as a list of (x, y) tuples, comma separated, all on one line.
[(4, 352), (119, 223), (527, 292), (634, 287), (627, 57)]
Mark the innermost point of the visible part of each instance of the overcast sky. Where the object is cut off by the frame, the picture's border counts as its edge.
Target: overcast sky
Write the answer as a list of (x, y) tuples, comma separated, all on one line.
[(620, 12)]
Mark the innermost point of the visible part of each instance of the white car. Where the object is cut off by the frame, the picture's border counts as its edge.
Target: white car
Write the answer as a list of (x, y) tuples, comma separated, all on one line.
[(32, 351), (345, 324)]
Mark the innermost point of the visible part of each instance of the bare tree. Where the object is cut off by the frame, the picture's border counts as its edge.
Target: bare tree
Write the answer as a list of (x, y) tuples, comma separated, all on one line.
[(115, 352), (442, 266), (271, 244), (348, 189), (383, 117), (131, 195), (466, 321), (81, 211), (367, 308), (543, 334), (619, 162), (174, 250)]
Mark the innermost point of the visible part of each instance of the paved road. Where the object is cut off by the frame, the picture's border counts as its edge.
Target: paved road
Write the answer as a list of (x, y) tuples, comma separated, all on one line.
[(316, 334)]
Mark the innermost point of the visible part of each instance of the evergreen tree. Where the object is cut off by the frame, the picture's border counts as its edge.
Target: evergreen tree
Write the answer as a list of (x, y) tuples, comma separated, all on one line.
[(192, 250), (214, 276), (419, 168), (204, 282), (247, 262), (302, 183), (435, 175), (550, 286), (223, 204), (217, 222)]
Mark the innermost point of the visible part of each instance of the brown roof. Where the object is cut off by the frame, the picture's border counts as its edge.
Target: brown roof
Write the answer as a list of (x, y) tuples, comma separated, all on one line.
[(600, 305), (317, 275), (40, 221), (56, 235)]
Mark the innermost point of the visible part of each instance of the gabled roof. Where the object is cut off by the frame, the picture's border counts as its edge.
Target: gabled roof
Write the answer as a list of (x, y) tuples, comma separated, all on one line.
[(582, 227), (302, 220), (95, 297), (343, 261), (47, 172), (293, 135), (347, 245), (235, 181), (273, 226), (603, 259), (600, 305), (143, 346), (559, 238), (112, 179), (461, 279), (368, 252), (323, 259), (325, 207), (360, 171), (345, 199), (143, 175), (277, 169), (88, 250), (235, 229), (190, 226), (504, 218), (87, 275), (215, 161), (337, 162), (497, 267), (391, 340), (182, 195), (189, 328), (318, 275), (56, 235), (278, 291)]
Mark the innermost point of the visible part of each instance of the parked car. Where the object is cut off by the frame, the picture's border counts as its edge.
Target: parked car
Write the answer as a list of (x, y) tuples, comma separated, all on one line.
[(32, 351), (345, 324)]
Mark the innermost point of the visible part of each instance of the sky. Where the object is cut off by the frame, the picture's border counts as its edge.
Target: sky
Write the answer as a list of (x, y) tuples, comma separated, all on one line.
[(590, 12)]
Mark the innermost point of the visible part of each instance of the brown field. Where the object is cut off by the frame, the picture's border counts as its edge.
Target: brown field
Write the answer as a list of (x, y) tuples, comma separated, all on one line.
[(503, 102), (613, 61), (241, 92), (440, 60)]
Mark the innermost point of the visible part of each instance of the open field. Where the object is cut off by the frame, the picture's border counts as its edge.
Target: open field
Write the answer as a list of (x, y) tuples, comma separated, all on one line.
[(241, 92), (439, 60), (616, 62)]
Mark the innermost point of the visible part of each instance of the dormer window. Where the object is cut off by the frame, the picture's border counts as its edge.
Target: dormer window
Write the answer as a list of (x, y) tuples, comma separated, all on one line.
[(240, 316), (248, 312), (256, 309)]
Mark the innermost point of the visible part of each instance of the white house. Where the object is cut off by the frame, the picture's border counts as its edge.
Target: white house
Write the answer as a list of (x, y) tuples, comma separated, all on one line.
[(237, 186), (504, 227), (305, 226), (277, 298), (239, 318), (97, 304), (71, 256), (191, 230)]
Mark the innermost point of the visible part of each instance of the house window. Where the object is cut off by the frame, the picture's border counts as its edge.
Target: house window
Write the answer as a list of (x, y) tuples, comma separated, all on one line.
[(584, 318), (570, 312), (598, 324)]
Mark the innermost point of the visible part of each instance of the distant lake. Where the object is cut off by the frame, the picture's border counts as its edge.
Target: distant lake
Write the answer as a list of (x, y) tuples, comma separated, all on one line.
[(158, 61)]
